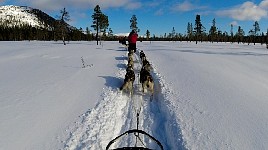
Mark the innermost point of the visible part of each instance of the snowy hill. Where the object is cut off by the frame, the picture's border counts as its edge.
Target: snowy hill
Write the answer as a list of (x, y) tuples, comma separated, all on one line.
[(22, 15), (207, 96)]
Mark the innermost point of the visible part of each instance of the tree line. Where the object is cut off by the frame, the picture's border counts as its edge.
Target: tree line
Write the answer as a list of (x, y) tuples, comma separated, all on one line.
[(60, 30), (197, 33)]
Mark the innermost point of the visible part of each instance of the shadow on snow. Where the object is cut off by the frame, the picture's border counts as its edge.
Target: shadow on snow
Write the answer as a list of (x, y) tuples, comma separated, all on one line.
[(112, 82)]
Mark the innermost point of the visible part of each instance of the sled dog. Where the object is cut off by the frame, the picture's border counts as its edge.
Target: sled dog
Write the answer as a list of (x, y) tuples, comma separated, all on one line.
[(129, 67), (146, 65), (146, 80), (128, 81), (130, 63), (127, 86), (142, 56)]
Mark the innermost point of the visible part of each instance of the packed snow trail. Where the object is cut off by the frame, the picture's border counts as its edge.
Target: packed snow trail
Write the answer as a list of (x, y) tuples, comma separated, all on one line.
[(117, 113)]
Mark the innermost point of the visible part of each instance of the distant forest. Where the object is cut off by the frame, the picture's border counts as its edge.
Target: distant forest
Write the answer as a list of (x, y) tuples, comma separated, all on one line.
[(58, 30), (26, 32)]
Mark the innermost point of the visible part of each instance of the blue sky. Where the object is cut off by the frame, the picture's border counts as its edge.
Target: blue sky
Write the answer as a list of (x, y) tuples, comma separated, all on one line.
[(159, 16)]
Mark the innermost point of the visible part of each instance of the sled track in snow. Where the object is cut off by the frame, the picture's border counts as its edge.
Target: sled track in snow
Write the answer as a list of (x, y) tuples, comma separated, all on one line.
[(159, 119), (117, 113)]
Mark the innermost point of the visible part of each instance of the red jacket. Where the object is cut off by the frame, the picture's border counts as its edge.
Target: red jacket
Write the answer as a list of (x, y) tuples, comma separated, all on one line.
[(133, 38)]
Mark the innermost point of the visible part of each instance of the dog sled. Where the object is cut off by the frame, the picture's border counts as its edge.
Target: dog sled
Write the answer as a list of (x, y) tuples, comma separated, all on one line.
[(137, 133)]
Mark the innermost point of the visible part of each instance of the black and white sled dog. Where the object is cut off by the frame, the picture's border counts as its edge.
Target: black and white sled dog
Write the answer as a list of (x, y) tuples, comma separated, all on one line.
[(146, 80), (128, 81), (146, 65), (142, 56)]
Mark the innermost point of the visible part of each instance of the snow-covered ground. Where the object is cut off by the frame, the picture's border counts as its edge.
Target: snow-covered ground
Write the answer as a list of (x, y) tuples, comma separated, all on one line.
[(207, 96)]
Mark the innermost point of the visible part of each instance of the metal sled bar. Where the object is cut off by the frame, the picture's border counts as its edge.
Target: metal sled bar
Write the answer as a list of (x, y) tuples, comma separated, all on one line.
[(135, 131)]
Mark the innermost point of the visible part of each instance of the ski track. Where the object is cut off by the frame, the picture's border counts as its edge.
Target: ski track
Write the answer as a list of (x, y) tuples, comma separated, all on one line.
[(117, 112)]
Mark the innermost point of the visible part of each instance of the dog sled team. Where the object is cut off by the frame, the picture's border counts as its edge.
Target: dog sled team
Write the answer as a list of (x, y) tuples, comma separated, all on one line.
[(145, 79)]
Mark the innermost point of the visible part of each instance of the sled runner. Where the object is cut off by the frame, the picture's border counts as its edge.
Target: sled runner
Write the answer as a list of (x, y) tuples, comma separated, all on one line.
[(136, 132)]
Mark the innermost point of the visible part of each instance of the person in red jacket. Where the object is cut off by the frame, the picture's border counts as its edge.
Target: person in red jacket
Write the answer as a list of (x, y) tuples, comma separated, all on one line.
[(132, 40)]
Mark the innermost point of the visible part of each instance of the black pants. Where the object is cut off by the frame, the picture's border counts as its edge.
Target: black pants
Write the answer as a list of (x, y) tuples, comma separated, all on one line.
[(132, 46)]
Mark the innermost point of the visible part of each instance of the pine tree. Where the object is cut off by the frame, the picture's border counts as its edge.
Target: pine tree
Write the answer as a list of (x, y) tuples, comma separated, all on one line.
[(256, 27), (96, 22), (133, 23), (256, 30), (173, 34), (190, 31), (199, 28), (240, 34), (232, 32), (147, 35), (63, 25), (100, 22), (213, 31)]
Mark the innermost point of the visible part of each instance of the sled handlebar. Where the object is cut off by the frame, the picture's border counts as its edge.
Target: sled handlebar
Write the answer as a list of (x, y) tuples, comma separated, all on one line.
[(135, 131)]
